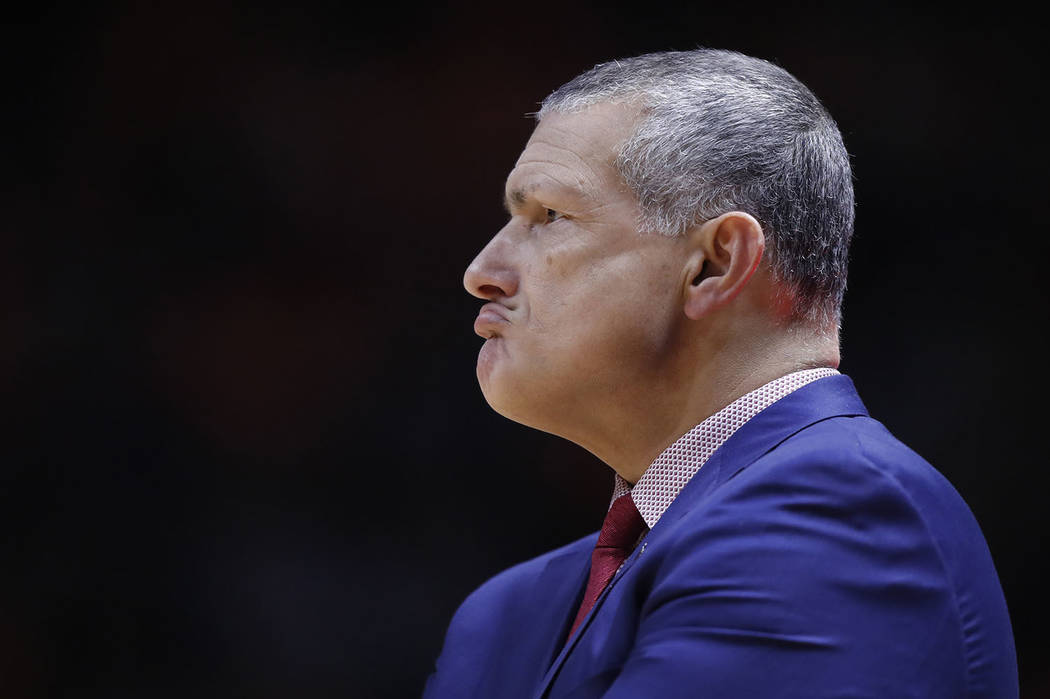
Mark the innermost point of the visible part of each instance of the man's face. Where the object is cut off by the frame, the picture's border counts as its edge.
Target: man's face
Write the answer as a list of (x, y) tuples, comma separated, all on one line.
[(582, 308)]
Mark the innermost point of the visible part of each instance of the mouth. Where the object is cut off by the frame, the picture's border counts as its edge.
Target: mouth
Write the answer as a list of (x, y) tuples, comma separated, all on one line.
[(491, 320)]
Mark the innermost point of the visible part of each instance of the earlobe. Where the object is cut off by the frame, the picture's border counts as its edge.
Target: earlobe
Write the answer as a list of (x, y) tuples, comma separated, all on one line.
[(728, 250)]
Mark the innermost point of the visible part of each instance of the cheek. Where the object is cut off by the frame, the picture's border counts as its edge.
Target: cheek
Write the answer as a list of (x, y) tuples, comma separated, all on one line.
[(616, 325), (581, 304), (635, 312)]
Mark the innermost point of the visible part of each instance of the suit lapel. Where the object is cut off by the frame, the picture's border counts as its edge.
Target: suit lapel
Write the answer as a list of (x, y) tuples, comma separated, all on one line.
[(557, 596), (834, 396), (565, 649)]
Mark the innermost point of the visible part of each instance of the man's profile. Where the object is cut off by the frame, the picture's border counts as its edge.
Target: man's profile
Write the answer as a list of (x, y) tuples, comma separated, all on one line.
[(666, 293)]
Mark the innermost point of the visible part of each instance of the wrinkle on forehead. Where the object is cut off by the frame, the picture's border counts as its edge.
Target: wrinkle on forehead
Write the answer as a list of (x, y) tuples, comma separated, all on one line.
[(573, 153), (549, 175), (576, 151)]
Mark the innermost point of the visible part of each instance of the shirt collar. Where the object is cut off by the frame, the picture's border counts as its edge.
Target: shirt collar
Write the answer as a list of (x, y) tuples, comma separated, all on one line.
[(677, 464)]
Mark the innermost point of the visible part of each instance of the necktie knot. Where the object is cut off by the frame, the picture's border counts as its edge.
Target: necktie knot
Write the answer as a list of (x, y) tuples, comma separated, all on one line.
[(622, 526)]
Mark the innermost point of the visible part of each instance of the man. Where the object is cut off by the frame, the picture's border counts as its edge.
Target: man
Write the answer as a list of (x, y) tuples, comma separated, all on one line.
[(666, 293)]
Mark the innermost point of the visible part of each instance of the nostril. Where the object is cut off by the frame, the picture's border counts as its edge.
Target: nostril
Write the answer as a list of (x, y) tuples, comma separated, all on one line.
[(490, 290), (489, 280)]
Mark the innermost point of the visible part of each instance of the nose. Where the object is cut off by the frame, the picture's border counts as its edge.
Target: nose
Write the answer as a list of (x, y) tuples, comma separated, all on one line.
[(492, 275)]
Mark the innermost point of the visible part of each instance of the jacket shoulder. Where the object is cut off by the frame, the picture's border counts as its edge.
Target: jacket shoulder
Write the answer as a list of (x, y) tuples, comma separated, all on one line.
[(857, 537)]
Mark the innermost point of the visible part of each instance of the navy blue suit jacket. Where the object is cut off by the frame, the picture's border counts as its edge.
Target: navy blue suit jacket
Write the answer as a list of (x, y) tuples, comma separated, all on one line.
[(813, 555)]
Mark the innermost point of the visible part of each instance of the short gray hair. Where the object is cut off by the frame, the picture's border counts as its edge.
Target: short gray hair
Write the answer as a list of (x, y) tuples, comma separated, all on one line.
[(722, 132)]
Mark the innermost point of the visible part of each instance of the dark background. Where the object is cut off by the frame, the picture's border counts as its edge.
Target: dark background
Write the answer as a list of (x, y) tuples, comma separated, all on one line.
[(244, 452)]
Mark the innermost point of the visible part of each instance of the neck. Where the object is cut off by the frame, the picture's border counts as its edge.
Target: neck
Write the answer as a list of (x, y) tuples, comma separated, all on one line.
[(640, 428)]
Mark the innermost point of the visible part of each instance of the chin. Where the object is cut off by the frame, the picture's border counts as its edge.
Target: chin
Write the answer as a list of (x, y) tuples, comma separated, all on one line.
[(501, 394), (511, 402), (496, 395), (511, 390)]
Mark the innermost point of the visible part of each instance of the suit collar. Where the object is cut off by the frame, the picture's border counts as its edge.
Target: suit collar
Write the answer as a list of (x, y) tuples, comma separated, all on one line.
[(834, 396)]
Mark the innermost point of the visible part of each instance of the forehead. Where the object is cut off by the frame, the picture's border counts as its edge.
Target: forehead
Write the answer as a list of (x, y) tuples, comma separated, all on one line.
[(576, 150)]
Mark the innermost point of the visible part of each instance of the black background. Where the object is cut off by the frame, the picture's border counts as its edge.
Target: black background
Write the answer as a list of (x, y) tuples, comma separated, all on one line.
[(244, 452)]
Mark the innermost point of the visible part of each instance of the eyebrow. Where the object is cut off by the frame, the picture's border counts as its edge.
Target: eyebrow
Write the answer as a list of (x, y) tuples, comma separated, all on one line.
[(516, 198)]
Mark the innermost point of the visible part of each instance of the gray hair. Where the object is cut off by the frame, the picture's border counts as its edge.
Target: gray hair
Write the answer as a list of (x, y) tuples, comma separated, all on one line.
[(723, 132)]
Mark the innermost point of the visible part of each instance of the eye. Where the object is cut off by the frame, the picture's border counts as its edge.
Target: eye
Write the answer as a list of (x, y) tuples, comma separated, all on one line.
[(553, 215)]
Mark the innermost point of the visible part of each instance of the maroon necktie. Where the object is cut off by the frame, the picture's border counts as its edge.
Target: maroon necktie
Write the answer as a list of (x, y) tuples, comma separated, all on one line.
[(620, 531)]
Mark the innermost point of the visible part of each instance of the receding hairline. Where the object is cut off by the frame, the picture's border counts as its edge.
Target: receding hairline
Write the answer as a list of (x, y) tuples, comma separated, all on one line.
[(636, 96)]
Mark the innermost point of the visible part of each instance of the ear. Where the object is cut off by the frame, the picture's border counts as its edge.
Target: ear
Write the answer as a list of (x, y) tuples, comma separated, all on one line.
[(725, 252)]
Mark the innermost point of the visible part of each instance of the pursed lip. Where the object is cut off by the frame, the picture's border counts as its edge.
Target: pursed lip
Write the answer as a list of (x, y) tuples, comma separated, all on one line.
[(491, 318)]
